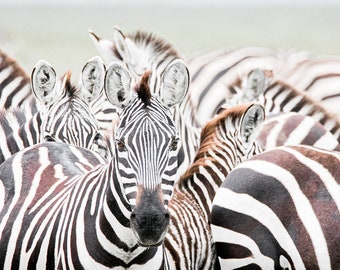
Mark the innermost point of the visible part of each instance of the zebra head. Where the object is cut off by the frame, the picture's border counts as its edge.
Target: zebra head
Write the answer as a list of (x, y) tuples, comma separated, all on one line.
[(66, 115), (146, 145)]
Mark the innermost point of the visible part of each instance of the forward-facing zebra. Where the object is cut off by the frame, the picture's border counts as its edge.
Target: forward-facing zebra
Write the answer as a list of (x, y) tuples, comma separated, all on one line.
[(280, 210), (144, 51), (14, 82), (226, 141), (64, 113), (77, 213)]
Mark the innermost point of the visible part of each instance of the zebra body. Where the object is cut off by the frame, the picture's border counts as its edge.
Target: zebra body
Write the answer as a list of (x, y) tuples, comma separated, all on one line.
[(64, 113), (142, 52), (280, 210), (226, 141), (78, 211), (292, 129)]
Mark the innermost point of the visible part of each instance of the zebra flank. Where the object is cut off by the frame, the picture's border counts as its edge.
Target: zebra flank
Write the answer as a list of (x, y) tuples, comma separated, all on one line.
[(14, 82), (226, 141), (289, 197)]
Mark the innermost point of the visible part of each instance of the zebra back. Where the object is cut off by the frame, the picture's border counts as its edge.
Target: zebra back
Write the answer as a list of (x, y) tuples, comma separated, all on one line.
[(280, 210), (292, 129), (14, 82), (226, 141)]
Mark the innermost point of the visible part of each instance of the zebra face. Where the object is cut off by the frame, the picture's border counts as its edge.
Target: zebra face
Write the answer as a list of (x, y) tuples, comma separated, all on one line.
[(146, 145), (146, 151)]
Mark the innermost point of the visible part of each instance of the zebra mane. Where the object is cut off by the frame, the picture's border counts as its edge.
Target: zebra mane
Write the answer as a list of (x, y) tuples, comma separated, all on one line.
[(70, 89), (143, 90), (152, 42), (209, 140)]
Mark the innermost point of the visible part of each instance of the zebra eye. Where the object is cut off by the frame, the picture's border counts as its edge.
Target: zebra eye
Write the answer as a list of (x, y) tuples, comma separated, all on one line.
[(96, 138), (121, 145), (49, 138), (174, 143)]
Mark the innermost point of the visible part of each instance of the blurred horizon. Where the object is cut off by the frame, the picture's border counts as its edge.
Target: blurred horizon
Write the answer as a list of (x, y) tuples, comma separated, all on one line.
[(59, 34)]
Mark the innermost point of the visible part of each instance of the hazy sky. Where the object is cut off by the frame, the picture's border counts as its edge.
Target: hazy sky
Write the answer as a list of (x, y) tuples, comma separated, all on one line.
[(169, 2)]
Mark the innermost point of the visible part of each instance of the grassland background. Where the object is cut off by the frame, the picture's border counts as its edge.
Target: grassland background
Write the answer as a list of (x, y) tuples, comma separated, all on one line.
[(60, 34)]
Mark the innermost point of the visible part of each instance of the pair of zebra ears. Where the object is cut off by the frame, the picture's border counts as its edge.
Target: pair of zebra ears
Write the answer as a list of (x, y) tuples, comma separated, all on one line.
[(175, 79), (44, 81)]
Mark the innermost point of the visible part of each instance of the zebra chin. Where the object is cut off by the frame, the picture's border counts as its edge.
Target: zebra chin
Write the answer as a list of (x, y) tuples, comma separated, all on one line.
[(150, 219)]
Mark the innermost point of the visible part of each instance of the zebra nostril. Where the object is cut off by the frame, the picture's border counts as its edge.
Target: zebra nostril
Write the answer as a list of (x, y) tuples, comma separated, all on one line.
[(133, 215)]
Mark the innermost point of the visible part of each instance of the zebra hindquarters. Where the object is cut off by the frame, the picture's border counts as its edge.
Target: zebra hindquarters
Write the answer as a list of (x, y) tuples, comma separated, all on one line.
[(280, 210)]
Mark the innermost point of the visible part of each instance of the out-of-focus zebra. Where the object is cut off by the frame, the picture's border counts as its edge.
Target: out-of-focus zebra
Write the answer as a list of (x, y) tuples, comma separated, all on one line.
[(292, 129), (226, 141), (280, 210), (64, 113), (14, 82), (276, 96), (64, 209), (144, 51), (214, 73)]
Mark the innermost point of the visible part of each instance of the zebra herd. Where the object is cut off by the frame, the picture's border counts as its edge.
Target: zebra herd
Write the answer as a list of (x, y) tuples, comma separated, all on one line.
[(227, 160)]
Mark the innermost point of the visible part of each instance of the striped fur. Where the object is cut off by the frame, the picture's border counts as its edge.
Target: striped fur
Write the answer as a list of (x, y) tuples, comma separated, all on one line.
[(280, 210), (292, 129), (278, 96), (66, 118), (225, 142), (14, 82), (79, 212), (141, 52)]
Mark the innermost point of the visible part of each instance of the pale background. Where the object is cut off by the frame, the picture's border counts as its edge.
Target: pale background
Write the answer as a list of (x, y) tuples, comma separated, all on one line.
[(57, 31)]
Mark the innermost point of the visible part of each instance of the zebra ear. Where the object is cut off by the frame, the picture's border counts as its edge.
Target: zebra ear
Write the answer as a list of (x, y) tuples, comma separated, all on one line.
[(251, 122), (43, 81), (256, 83), (117, 85), (126, 47), (105, 47), (174, 83), (92, 79)]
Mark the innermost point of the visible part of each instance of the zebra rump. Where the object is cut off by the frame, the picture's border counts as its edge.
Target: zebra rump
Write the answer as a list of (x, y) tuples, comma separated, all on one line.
[(280, 210)]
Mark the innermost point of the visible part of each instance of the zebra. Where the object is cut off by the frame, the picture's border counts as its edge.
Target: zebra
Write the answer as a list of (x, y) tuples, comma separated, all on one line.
[(293, 128), (280, 210), (14, 82), (142, 51), (64, 113), (78, 211), (277, 97), (226, 141)]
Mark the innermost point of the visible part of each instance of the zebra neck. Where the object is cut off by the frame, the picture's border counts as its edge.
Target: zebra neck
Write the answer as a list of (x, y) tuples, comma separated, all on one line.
[(203, 178)]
